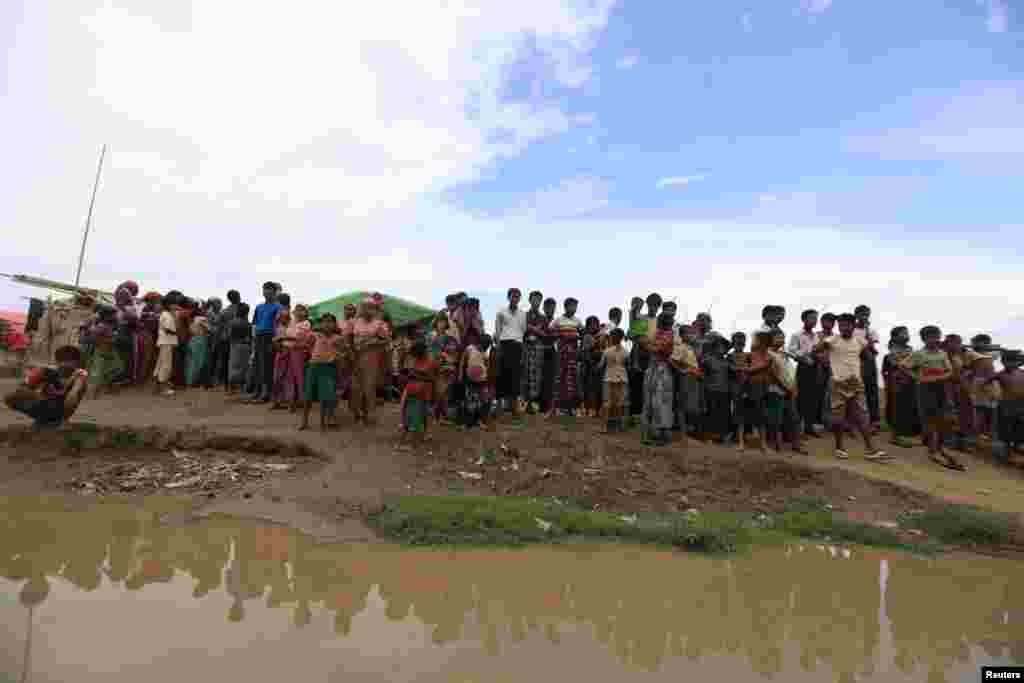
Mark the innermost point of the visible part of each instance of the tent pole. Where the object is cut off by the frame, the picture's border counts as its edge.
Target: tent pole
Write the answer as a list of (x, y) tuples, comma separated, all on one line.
[(88, 218)]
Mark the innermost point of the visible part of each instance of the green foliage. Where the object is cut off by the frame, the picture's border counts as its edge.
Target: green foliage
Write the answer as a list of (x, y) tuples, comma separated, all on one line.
[(963, 524)]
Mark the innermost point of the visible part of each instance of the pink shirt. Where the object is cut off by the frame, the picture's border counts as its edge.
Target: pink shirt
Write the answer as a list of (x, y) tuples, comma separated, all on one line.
[(370, 333)]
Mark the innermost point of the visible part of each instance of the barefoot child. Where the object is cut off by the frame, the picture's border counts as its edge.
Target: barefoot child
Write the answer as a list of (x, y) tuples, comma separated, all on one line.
[(848, 400), (933, 371), (616, 385), (444, 349), (782, 395), (51, 395), (743, 410), (419, 393), (321, 381)]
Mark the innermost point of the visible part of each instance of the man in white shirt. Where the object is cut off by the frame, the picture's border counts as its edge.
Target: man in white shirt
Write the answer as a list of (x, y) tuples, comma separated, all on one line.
[(810, 388), (869, 364), (509, 333), (848, 403)]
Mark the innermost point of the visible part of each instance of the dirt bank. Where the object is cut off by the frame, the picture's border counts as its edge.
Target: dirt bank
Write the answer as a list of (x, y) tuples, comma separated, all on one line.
[(247, 456)]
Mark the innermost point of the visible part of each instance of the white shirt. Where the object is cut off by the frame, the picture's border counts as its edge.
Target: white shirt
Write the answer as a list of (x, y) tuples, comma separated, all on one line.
[(167, 322), (510, 325), (802, 343)]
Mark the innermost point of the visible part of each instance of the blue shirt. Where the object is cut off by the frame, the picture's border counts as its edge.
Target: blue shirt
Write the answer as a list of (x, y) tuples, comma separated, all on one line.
[(264, 317)]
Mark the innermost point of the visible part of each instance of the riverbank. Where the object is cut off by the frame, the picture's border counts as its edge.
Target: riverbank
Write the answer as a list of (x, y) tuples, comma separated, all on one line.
[(244, 460)]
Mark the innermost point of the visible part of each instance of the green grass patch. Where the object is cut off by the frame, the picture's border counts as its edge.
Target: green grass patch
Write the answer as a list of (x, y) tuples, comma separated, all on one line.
[(491, 521), (962, 525), (126, 438), (80, 439), (458, 520)]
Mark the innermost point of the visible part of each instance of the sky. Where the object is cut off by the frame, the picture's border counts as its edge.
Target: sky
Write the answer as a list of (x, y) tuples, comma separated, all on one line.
[(810, 153)]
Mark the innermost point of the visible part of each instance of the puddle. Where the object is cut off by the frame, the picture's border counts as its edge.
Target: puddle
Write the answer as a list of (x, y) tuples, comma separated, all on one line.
[(110, 595)]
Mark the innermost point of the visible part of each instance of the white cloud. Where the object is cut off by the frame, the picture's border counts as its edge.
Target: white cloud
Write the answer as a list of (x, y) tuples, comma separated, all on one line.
[(768, 198), (747, 22), (998, 20), (627, 62), (127, 212), (678, 180)]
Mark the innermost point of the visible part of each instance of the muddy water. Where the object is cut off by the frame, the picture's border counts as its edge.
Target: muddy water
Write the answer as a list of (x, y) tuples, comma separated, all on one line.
[(111, 595)]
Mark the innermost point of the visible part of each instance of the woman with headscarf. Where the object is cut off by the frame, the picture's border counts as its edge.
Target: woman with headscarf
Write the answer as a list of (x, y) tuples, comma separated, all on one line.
[(370, 337), (213, 309)]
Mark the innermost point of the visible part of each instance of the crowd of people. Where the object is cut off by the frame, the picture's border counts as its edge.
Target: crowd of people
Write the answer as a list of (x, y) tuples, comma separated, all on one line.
[(674, 377)]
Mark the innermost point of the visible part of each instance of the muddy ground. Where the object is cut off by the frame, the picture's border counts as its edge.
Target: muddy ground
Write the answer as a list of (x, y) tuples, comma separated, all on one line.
[(220, 456)]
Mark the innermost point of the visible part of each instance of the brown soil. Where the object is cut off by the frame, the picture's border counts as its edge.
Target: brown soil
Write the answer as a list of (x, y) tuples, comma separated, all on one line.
[(343, 474)]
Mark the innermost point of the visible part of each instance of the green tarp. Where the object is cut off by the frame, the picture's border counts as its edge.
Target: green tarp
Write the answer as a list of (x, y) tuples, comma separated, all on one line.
[(400, 311)]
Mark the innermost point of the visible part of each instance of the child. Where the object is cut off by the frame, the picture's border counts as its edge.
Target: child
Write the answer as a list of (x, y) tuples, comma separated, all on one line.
[(659, 383), (848, 402), (933, 371), (474, 376), (321, 381), (780, 400), (689, 416), (640, 332), (419, 393), (166, 345), (568, 328), (717, 390), (444, 350), (50, 396), (984, 394), (240, 339), (590, 372), (744, 410), (1010, 421), (106, 362), (613, 365), (900, 391)]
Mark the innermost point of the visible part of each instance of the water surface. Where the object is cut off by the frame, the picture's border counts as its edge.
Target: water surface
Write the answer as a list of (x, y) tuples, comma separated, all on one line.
[(111, 595)]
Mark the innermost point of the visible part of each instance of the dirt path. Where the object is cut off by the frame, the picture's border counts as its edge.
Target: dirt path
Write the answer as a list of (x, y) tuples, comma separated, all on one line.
[(533, 456)]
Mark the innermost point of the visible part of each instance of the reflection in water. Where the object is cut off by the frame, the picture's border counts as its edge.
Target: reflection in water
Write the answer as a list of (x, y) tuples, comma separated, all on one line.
[(793, 612)]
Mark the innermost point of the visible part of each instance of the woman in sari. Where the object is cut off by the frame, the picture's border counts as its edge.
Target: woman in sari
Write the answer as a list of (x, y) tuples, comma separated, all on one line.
[(370, 337)]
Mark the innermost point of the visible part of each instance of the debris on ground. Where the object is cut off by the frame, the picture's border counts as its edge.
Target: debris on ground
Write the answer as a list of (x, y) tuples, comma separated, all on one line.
[(179, 471)]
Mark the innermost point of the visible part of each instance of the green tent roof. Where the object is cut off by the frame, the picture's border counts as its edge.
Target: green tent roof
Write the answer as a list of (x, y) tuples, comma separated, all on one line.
[(400, 311)]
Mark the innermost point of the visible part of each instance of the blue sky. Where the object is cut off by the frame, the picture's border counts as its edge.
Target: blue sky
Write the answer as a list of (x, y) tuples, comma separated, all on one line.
[(813, 153)]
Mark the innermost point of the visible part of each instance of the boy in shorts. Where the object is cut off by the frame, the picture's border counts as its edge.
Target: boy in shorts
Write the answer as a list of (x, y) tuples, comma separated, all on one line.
[(51, 395)]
